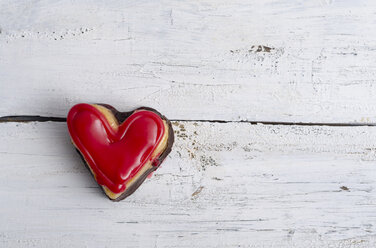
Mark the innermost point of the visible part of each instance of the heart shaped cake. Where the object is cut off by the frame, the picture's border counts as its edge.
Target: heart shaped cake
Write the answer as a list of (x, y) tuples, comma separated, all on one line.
[(119, 148)]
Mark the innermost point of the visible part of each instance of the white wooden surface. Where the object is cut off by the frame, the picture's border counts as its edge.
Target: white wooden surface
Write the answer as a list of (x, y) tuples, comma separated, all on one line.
[(192, 59), (263, 185), (224, 184)]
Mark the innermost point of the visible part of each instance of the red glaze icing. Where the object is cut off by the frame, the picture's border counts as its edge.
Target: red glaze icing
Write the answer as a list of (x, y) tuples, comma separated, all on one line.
[(114, 156)]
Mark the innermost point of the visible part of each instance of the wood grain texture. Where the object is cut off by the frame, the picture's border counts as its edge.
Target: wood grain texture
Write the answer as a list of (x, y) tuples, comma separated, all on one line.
[(261, 186), (224, 184), (296, 61)]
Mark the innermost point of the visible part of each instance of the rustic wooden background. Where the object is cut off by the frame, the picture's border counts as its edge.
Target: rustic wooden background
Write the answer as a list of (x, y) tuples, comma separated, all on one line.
[(273, 105)]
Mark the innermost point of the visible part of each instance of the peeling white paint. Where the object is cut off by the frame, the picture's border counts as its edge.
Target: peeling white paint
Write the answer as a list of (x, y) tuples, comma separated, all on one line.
[(224, 184), (192, 60), (260, 186)]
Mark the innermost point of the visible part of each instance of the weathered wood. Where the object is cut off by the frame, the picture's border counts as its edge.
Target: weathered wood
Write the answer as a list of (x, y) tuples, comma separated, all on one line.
[(296, 61), (224, 185)]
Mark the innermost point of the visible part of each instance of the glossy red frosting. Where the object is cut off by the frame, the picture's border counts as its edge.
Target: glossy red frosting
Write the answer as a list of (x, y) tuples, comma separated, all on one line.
[(114, 156)]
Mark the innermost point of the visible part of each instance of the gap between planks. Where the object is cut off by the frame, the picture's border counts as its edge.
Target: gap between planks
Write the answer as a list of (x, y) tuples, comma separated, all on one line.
[(37, 118)]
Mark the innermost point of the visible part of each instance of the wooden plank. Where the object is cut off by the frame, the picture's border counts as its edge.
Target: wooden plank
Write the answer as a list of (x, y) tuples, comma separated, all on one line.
[(295, 61), (223, 185)]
